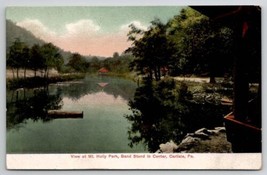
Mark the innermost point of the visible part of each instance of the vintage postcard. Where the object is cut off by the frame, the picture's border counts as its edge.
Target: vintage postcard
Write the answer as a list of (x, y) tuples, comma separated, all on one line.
[(141, 87)]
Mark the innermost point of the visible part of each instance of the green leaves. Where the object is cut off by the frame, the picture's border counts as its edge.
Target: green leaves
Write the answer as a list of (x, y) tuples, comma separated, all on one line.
[(37, 57), (151, 48), (200, 43), (16, 53), (51, 55), (78, 63)]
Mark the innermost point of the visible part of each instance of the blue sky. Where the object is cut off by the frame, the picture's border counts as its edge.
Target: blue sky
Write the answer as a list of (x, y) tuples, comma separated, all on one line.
[(88, 30)]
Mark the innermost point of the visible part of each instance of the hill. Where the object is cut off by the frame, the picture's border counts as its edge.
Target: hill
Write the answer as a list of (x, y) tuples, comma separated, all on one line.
[(13, 31)]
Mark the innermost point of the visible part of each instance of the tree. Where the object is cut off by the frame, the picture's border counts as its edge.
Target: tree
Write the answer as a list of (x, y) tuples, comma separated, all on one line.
[(152, 49), (78, 63), (116, 55), (204, 47), (52, 57), (36, 58), (17, 56), (25, 59), (95, 64)]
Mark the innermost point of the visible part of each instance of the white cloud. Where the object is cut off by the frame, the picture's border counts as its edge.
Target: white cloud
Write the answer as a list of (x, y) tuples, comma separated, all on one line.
[(83, 36), (37, 28), (137, 24), (82, 27)]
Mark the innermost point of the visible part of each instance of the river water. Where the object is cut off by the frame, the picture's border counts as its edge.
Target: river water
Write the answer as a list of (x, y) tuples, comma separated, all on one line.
[(103, 128)]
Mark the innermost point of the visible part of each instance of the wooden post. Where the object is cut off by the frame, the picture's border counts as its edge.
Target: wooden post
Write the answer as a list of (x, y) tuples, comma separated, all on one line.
[(241, 84)]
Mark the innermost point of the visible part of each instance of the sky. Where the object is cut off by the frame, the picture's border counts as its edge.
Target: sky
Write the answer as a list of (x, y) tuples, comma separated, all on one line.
[(99, 31)]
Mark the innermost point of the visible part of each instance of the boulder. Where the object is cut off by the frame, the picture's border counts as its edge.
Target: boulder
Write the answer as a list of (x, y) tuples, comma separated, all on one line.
[(201, 141), (168, 147)]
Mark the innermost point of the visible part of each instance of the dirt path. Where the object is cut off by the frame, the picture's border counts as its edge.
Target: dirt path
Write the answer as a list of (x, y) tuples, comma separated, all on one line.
[(197, 79)]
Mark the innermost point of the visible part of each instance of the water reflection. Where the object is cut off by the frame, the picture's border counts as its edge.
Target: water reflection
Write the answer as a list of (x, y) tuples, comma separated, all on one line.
[(164, 111), (159, 112), (24, 104), (103, 128), (90, 85)]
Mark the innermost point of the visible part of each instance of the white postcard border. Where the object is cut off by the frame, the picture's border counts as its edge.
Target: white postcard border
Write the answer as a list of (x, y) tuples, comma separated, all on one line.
[(32, 161), (233, 161)]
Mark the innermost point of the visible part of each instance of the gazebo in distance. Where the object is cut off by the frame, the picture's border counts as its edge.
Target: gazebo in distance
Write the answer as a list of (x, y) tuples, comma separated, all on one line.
[(103, 71), (243, 125)]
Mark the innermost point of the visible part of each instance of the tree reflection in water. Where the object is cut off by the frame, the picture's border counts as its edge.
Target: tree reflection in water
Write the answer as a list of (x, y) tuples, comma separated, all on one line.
[(165, 111), (31, 104)]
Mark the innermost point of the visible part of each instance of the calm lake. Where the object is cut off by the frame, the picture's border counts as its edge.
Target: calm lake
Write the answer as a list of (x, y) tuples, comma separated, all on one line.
[(103, 128)]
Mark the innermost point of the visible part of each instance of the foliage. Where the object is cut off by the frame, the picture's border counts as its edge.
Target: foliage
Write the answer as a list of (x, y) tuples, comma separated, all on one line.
[(164, 110), (18, 55), (190, 43), (118, 64), (37, 60), (43, 57), (152, 49), (78, 63), (52, 57), (204, 47)]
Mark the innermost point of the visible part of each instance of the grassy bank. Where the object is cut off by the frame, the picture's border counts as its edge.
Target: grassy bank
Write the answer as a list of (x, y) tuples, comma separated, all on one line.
[(130, 75), (31, 82)]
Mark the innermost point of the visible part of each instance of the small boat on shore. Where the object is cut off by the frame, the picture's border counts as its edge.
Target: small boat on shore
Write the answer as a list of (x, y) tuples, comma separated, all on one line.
[(58, 114)]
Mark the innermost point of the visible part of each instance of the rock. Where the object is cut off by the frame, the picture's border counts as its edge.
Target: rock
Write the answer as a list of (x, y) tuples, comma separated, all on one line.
[(189, 140), (202, 136), (201, 141), (220, 129), (205, 140), (187, 144), (168, 147), (189, 135), (204, 131), (201, 130), (158, 151)]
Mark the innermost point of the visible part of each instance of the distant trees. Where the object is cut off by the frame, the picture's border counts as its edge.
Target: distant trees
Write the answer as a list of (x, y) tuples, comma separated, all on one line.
[(47, 56), (116, 55), (35, 58), (78, 63), (118, 63), (95, 64)]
